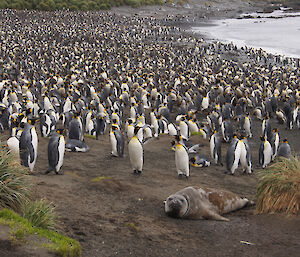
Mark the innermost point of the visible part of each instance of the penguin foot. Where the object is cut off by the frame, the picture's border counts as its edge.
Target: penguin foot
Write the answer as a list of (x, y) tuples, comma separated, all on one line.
[(47, 171), (180, 176), (137, 172)]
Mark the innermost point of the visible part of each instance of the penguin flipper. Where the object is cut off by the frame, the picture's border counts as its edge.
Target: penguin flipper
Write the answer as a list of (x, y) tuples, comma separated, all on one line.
[(120, 144), (24, 157), (53, 153), (31, 153)]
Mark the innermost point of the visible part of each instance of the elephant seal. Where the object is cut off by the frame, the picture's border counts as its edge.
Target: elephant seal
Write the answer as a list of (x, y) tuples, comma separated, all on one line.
[(201, 202)]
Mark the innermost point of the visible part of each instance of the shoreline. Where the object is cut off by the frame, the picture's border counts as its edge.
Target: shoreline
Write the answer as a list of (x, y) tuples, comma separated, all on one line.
[(199, 14)]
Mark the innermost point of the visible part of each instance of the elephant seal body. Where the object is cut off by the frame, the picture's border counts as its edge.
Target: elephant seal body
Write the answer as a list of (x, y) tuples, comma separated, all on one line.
[(208, 203)]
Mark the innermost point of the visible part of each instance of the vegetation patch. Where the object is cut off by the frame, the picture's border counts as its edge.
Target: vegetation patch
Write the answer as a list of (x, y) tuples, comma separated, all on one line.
[(73, 173), (278, 188), (40, 213), (197, 133), (73, 5), (15, 185), (133, 226), (21, 228), (97, 179), (89, 136)]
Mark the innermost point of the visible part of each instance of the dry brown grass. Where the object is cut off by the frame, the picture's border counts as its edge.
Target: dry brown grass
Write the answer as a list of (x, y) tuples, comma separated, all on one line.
[(278, 188)]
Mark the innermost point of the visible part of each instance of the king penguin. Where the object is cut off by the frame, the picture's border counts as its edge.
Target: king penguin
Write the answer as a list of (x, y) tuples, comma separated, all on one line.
[(246, 156), (265, 152), (117, 141), (45, 125), (28, 146), (215, 148), (227, 130), (184, 129), (136, 155), (274, 141), (75, 129), (284, 149), (56, 151), (181, 158), (233, 155)]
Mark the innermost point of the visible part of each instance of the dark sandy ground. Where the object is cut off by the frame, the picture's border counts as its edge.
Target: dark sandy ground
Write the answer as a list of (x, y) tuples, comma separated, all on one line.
[(123, 215)]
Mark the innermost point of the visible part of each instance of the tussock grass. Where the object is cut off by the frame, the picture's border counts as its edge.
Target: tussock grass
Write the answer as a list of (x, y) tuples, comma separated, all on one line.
[(15, 186), (20, 228), (40, 213), (278, 188)]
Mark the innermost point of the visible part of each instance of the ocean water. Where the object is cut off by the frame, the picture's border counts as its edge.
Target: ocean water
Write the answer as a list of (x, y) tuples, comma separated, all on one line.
[(280, 35)]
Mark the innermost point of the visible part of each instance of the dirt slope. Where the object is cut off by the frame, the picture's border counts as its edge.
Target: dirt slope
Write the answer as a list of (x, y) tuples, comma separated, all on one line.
[(123, 215)]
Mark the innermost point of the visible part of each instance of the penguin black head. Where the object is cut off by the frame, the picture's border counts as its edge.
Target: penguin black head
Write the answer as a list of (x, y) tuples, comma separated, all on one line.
[(177, 138), (262, 138), (60, 131), (136, 129), (113, 127), (285, 141), (193, 160), (32, 121), (28, 111)]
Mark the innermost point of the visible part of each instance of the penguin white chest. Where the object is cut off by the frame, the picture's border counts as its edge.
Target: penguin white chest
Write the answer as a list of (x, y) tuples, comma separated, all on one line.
[(267, 153), (61, 152), (135, 150), (130, 132), (34, 142), (172, 130), (184, 130), (113, 142), (181, 160)]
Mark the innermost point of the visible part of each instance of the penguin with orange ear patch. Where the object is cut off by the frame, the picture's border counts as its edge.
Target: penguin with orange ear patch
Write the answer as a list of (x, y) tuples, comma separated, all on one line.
[(136, 154), (28, 145), (181, 158), (117, 141), (284, 149), (199, 161)]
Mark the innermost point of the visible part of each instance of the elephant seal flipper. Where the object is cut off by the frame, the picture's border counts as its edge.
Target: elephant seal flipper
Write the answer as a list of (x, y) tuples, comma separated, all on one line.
[(211, 215)]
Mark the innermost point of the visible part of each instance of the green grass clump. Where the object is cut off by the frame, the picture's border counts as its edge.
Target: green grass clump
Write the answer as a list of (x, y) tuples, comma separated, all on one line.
[(20, 228), (40, 213), (133, 226), (15, 186), (89, 136), (278, 188), (97, 179)]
